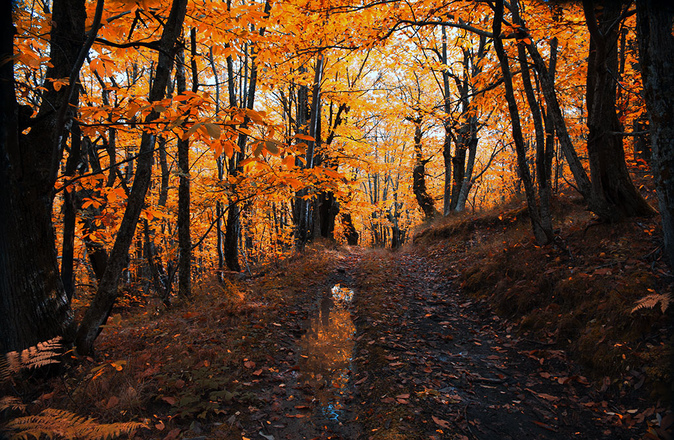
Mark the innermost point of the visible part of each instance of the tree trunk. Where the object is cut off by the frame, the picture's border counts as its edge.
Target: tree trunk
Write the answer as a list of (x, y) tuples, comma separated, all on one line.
[(581, 178), (523, 165), (350, 231), (184, 237), (328, 206), (542, 175), (232, 232), (304, 215), (447, 142), (425, 201), (233, 228), (467, 182), (102, 304), (33, 304), (656, 56), (447, 157), (613, 193)]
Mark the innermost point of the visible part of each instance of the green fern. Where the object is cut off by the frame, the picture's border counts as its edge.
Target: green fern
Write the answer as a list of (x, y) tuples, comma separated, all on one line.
[(56, 423), (652, 300)]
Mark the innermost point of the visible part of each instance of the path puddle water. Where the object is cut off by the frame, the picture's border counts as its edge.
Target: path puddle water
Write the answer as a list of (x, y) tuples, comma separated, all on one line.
[(327, 351)]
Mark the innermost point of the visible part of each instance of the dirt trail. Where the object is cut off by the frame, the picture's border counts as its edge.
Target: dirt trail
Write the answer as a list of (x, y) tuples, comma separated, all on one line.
[(410, 358)]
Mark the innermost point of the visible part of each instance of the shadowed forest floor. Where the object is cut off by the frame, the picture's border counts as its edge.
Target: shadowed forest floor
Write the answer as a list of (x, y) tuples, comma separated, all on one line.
[(472, 333)]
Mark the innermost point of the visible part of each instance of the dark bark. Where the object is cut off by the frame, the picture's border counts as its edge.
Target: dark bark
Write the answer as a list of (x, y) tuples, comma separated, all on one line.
[(614, 196), (655, 19), (184, 237), (232, 232), (33, 304), (463, 161), (542, 174), (447, 157), (233, 227), (305, 224), (425, 201), (554, 111), (447, 125), (102, 304), (350, 231), (299, 214), (98, 255), (520, 148), (544, 158), (458, 165), (328, 207)]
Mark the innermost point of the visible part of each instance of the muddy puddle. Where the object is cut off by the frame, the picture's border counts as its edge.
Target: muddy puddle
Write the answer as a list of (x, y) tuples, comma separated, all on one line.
[(326, 353)]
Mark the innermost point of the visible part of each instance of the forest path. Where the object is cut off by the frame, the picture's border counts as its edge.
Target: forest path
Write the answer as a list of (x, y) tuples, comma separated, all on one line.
[(411, 358)]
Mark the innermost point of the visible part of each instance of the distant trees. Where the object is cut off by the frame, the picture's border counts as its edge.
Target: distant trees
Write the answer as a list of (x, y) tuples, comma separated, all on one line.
[(328, 125)]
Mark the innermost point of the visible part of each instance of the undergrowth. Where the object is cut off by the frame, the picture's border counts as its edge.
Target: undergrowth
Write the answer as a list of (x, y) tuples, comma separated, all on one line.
[(15, 414), (602, 291)]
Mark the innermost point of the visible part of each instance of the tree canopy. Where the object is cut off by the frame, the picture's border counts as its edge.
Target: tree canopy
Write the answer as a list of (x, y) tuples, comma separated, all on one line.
[(161, 140)]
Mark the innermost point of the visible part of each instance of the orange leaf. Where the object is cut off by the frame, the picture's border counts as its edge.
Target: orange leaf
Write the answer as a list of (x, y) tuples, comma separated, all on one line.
[(442, 423), (170, 400), (304, 137)]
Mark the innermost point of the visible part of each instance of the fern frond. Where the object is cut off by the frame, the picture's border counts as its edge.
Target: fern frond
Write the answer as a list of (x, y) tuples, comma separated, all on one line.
[(652, 300), (56, 423), (40, 355), (11, 403)]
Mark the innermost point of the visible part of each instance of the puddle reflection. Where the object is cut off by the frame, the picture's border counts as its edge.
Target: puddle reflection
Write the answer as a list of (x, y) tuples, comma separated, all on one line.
[(340, 293), (327, 350)]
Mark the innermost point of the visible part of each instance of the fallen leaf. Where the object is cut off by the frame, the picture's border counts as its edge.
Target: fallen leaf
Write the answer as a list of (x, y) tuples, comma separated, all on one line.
[(170, 400), (442, 423), (548, 397), (249, 364), (113, 402), (544, 426)]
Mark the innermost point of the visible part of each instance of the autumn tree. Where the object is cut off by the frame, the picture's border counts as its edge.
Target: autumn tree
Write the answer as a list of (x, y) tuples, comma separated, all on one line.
[(107, 293), (613, 194)]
